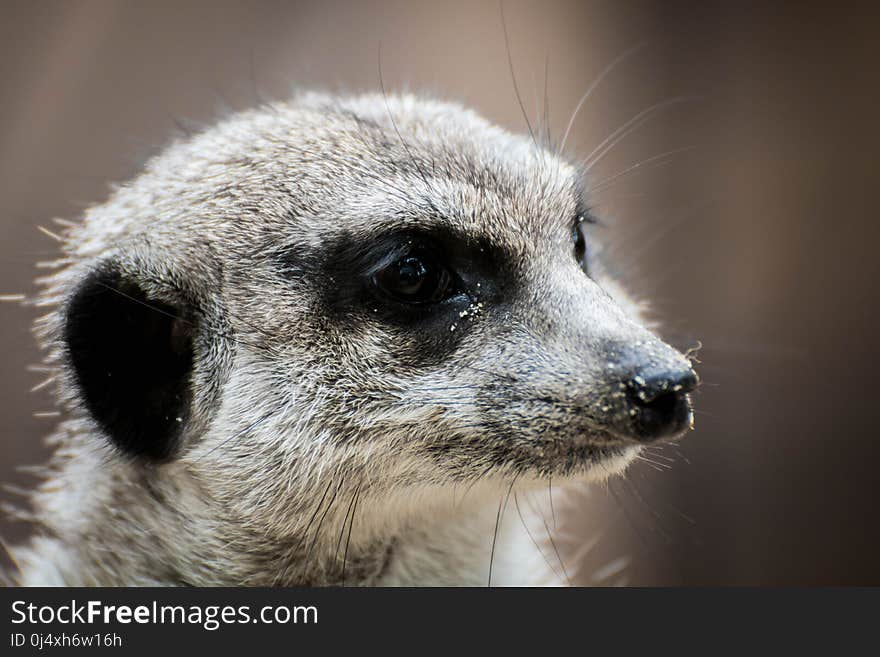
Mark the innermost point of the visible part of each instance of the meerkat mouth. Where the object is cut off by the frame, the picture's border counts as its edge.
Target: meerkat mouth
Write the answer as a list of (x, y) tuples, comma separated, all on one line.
[(605, 449), (590, 461)]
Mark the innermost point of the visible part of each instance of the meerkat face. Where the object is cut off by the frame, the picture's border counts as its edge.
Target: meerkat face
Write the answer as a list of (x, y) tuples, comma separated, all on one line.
[(390, 288)]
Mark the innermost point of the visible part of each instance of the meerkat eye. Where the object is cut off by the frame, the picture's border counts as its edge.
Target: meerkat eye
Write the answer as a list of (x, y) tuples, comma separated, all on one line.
[(416, 278), (579, 236)]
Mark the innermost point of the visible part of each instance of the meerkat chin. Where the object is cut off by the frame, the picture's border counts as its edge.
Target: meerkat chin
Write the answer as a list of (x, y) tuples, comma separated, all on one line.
[(318, 342)]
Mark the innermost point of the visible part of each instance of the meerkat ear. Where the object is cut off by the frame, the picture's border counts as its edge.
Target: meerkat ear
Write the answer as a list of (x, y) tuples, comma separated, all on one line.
[(132, 359)]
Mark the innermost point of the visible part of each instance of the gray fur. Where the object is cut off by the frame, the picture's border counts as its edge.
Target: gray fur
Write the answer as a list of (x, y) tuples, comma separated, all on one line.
[(316, 451)]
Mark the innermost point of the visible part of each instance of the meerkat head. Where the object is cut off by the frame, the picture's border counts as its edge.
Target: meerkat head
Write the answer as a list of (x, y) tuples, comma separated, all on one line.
[(390, 291)]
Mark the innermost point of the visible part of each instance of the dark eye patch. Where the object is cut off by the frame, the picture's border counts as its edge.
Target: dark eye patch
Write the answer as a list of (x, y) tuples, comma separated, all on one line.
[(338, 276), (343, 272)]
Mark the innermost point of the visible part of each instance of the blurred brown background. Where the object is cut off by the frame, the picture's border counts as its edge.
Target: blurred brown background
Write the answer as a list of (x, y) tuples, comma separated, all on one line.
[(759, 240)]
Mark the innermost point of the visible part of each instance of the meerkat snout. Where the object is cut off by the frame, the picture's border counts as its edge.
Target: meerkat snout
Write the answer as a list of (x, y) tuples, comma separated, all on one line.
[(656, 401), (320, 319)]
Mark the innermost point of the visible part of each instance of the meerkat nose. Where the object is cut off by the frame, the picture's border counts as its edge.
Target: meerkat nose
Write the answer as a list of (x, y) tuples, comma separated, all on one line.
[(658, 401)]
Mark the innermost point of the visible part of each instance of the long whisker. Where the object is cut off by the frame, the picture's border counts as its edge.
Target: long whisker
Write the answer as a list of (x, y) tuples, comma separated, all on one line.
[(321, 522), (394, 124), (553, 544), (658, 520), (657, 160), (513, 75), (282, 575), (535, 542), (498, 519), (348, 539), (238, 434), (628, 128), (627, 514), (593, 86), (494, 539)]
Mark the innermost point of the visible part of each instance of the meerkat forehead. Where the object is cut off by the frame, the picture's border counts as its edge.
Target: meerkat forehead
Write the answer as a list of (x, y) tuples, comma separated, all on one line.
[(355, 165)]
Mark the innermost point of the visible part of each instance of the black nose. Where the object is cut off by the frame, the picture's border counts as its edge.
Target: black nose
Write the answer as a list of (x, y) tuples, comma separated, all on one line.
[(658, 403)]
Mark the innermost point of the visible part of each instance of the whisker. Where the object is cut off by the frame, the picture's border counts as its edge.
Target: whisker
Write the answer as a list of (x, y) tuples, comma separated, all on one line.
[(593, 86), (394, 124), (344, 523), (513, 75), (659, 467), (553, 544), (658, 526), (627, 514), (535, 542), (490, 373), (321, 522), (494, 538), (282, 575), (348, 539), (238, 434), (657, 160), (627, 129), (501, 509)]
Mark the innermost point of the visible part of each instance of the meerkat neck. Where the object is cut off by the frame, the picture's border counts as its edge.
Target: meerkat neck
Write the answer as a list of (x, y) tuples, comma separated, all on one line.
[(152, 527)]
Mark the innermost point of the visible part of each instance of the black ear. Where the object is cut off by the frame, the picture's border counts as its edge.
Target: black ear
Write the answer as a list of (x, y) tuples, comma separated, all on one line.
[(132, 358)]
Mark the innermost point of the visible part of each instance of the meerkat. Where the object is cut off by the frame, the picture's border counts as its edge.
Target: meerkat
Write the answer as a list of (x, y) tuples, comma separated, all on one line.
[(324, 342)]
